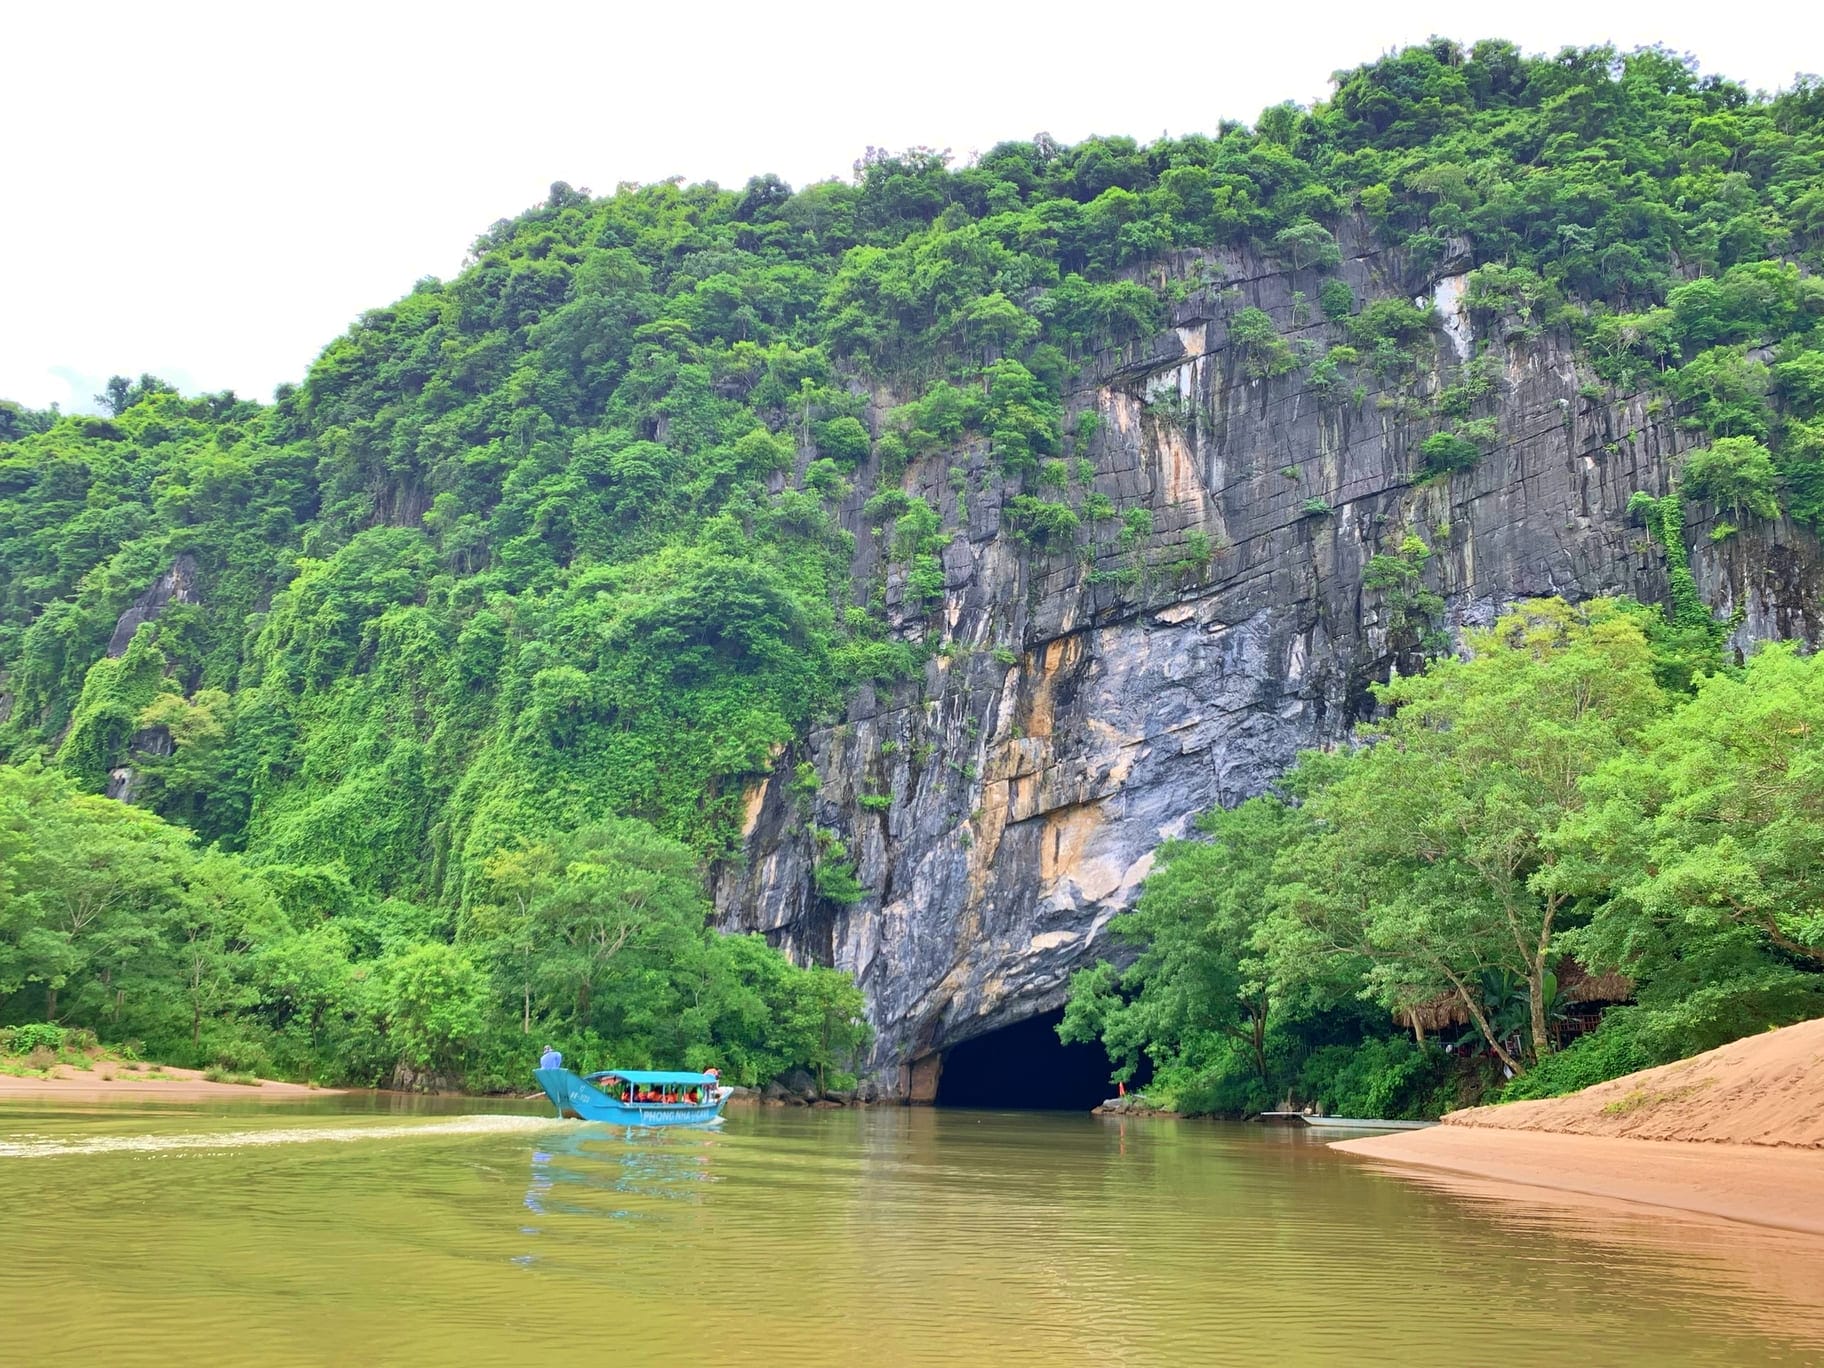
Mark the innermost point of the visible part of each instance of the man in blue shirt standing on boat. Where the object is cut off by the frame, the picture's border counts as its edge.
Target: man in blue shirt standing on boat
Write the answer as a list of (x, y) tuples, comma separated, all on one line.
[(551, 1059)]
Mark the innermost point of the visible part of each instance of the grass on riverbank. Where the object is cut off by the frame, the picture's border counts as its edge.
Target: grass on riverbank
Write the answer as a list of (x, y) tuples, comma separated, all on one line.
[(216, 1074), (38, 1050)]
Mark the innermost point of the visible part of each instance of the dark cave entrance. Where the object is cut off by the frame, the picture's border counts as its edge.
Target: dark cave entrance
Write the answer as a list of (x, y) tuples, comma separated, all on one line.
[(1025, 1067)]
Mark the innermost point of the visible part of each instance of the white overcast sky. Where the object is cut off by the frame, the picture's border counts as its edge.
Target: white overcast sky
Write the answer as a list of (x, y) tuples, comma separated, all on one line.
[(211, 192)]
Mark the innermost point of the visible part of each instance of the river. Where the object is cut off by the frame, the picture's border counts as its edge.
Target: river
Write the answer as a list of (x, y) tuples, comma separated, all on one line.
[(373, 1231)]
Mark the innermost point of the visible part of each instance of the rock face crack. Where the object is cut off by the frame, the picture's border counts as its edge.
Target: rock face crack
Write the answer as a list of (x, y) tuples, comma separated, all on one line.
[(1028, 797)]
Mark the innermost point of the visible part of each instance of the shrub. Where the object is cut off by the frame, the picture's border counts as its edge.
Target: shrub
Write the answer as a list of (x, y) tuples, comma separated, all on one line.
[(37, 1035), (1317, 508), (1263, 351), (886, 505), (1611, 1050), (1326, 380), (1039, 522), (893, 455), (1506, 290), (823, 476), (1387, 1078), (1136, 526), (1391, 320), (835, 881), (1022, 416), (1445, 452), (1481, 431), (1198, 550), (924, 579), (1800, 382), (215, 1073), (1336, 299), (843, 440)]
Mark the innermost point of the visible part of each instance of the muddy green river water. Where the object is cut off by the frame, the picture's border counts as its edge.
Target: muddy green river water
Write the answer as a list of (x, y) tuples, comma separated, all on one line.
[(368, 1231)]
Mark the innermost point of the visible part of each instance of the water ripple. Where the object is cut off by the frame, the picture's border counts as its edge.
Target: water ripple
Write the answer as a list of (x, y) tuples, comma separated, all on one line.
[(44, 1147)]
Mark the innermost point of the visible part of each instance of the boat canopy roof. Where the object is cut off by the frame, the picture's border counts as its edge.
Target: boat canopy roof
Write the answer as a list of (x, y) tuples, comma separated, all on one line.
[(660, 1079)]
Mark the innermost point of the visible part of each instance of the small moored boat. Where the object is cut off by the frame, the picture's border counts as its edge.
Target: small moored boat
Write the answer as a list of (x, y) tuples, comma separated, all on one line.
[(635, 1097), (1299, 1118)]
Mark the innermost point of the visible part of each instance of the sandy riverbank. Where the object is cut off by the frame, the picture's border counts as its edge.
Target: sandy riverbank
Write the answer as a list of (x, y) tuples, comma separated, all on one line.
[(1758, 1184), (1735, 1134), (153, 1082)]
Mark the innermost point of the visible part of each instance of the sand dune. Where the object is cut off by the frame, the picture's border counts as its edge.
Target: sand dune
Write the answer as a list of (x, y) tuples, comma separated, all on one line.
[(1736, 1134), (1763, 1090)]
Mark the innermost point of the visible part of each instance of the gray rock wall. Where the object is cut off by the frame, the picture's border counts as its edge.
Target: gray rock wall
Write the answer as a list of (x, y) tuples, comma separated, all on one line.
[(1027, 797)]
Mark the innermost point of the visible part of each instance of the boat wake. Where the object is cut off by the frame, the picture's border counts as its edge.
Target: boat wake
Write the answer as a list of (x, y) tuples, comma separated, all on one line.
[(29, 1147)]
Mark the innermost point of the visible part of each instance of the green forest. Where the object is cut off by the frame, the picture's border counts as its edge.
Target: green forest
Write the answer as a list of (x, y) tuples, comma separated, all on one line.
[(482, 630)]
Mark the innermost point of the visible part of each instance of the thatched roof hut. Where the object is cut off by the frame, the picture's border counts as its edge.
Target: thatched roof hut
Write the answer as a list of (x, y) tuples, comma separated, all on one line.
[(1575, 985), (1428, 1018)]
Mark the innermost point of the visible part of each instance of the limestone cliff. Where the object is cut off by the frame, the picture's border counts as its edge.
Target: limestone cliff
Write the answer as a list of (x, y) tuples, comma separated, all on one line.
[(1090, 701)]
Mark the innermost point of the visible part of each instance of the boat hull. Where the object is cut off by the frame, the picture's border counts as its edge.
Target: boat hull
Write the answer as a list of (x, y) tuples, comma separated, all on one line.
[(583, 1101), (1288, 1118)]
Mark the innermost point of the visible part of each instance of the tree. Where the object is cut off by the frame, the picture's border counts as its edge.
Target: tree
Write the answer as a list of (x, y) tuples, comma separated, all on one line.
[(115, 396), (613, 888), (88, 883), (121, 394), (821, 1024), (1727, 392), (1307, 243), (1734, 473), (1199, 978), (1711, 833), (1430, 851), (433, 999), (210, 932)]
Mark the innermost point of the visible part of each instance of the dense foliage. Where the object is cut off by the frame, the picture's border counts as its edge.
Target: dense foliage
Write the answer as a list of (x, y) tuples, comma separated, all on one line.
[(1543, 796), (553, 548), (112, 917)]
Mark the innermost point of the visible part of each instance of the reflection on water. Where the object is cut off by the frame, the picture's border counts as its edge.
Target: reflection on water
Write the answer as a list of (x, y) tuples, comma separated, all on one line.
[(889, 1236), (618, 1160)]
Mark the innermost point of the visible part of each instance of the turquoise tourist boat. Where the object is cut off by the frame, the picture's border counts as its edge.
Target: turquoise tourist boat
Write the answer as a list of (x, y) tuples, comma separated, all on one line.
[(635, 1097)]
